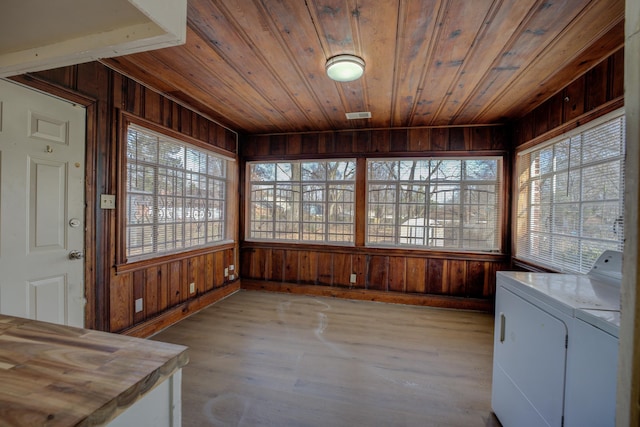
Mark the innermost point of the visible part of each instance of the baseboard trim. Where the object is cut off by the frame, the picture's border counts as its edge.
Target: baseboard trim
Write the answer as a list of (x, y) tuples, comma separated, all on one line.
[(181, 311), (441, 301)]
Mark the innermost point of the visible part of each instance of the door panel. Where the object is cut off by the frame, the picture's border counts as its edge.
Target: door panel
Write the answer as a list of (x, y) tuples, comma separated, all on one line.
[(42, 142)]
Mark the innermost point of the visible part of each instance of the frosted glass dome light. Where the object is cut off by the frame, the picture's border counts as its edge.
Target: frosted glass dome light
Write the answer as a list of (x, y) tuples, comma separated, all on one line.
[(345, 68)]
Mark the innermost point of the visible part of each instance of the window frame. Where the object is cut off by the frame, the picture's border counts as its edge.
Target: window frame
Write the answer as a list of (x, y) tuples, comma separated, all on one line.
[(500, 194), (122, 259), (300, 220), (582, 265)]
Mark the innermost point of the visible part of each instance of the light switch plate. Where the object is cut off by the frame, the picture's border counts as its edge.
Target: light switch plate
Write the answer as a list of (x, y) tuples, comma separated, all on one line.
[(353, 278), (192, 287), (226, 272), (139, 305), (232, 267)]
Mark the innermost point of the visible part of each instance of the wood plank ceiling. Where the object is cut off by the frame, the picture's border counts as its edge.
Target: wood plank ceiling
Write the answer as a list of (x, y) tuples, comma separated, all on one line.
[(257, 66)]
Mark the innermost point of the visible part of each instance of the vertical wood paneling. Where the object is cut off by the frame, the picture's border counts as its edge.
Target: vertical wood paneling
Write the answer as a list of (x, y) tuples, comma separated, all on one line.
[(152, 104), (455, 282), (378, 273), (175, 287), (210, 272), (597, 86), (416, 275), (439, 139), (435, 278), (139, 293), (477, 274), (291, 266), (151, 293), (588, 93), (277, 265), (398, 141), (189, 272), (342, 269), (575, 97), (308, 267), (294, 144), (163, 287), (202, 274), (397, 279), (380, 142), (325, 269), (121, 302), (616, 75), (359, 266), (218, 268), (418, 139), (373, 142), (457, 139)]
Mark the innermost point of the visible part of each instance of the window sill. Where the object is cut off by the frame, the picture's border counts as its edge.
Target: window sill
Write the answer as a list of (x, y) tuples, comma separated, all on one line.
[(174, 256)]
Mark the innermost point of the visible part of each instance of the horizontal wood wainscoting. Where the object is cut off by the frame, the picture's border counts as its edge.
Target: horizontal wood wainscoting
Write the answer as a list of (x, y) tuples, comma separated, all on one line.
[(163, 283), (422, 277)]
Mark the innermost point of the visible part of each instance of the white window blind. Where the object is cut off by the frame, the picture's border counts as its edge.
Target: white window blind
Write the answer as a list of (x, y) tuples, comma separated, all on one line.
[(570, 197), (302, 201), (175, 195), (435, 203)]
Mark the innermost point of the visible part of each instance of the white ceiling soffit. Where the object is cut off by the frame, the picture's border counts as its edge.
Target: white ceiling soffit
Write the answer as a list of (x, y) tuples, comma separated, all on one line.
[(43, 34)]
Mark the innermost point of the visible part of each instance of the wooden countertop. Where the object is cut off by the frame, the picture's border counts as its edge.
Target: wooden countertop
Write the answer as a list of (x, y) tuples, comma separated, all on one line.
[(54, 375)]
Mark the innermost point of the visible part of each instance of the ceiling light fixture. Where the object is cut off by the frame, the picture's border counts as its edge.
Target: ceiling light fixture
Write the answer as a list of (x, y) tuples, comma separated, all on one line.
[(345, 68)]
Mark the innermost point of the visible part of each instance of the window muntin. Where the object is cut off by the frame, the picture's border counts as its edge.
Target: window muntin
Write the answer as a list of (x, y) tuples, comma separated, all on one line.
[(305, 201), (175, 195), (570, 197), (435, 203)]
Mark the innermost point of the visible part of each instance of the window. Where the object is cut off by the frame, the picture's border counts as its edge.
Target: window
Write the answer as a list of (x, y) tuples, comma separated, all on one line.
[(570, 197), (435, 203), (307, 201), (175, 194)]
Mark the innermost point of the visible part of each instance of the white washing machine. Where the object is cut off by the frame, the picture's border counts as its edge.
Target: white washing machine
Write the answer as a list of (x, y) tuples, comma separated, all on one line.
[(555, 346)]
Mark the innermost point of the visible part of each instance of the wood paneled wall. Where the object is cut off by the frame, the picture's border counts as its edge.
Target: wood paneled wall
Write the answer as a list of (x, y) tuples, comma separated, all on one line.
[(595, 93), (412, 141), (162, 284), (446, 279)]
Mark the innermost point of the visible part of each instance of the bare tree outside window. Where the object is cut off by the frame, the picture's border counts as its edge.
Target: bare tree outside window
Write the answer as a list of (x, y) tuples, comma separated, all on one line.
[(307, 201), (570, 197), (435, 203)]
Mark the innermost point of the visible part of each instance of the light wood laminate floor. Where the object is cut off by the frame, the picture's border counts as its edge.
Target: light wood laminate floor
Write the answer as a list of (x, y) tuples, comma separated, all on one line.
[(267, 359)]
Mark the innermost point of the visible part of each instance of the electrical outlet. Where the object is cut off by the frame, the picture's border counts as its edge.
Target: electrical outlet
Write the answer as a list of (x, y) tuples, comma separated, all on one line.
[(192, 288), (232, 277), (226, 272), (139, 305), (232, 267), (353, 278), (107, 201)]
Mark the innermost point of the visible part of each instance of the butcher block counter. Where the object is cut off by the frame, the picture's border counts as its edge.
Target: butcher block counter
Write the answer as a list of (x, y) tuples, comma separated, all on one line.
[(54, 375)]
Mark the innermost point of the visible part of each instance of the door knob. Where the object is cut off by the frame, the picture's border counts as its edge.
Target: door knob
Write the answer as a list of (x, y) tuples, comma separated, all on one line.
[(76, 255)]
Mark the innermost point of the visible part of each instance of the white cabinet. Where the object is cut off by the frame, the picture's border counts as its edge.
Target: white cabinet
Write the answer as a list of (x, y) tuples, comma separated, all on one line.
[(529, 363)]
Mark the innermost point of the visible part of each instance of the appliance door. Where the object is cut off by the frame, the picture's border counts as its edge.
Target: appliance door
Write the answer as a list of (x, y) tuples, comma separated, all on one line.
[(528, 363)]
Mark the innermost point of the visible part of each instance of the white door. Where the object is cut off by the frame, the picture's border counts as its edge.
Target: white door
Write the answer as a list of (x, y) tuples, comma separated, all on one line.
[(42, 142)]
